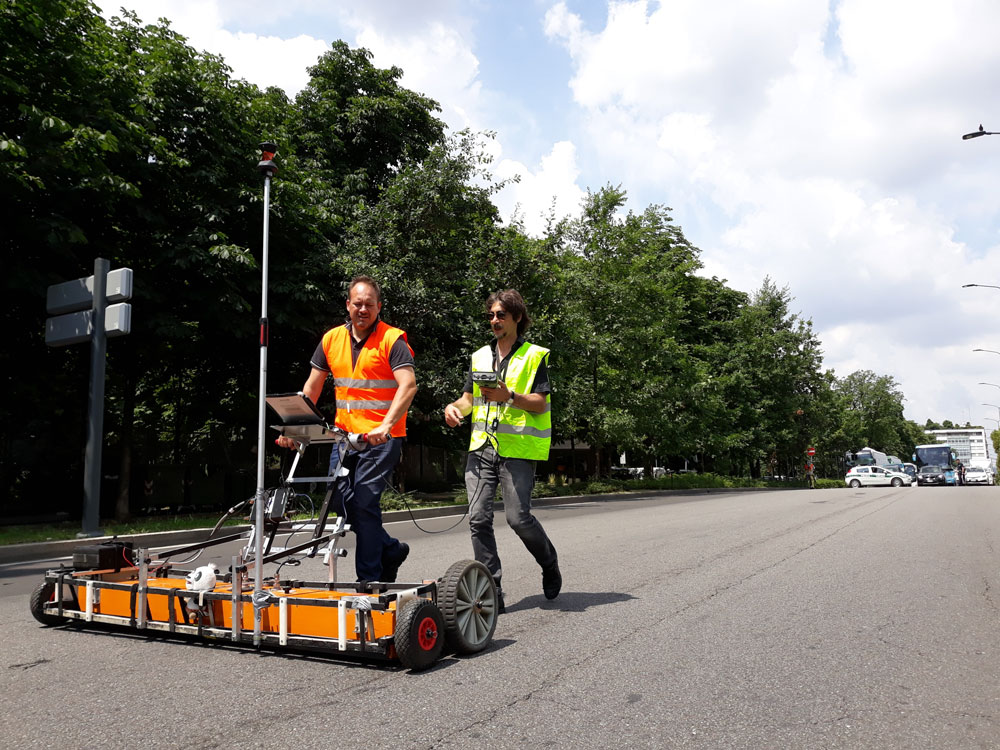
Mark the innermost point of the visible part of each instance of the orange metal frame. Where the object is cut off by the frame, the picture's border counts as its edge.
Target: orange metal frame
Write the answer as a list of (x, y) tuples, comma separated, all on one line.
[(333, 617)]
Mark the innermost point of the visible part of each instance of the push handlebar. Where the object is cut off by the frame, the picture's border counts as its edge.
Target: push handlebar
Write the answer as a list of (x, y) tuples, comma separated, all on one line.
[(357, 441)]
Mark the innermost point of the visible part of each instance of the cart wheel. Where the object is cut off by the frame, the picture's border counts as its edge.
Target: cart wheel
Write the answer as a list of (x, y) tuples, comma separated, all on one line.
[(44, 593), (467, 596), (419, 634)]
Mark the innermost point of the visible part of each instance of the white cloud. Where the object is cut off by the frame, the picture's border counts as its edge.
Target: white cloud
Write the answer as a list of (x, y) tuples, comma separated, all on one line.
[(813, 142), (438, 63), (549, 190), (266, 60), (818, 150)]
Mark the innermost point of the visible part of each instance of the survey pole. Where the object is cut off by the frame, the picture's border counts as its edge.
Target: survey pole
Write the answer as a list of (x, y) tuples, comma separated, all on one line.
[(268, 168)]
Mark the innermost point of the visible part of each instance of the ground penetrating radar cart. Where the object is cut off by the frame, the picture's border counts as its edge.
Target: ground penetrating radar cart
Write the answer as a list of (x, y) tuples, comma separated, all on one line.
[(142, 591), (115, 584)]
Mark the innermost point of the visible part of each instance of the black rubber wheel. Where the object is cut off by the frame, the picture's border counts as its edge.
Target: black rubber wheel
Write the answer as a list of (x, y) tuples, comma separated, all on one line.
[(897, 482), (44, 593), (467, 596), (419, 634), (855, 483)]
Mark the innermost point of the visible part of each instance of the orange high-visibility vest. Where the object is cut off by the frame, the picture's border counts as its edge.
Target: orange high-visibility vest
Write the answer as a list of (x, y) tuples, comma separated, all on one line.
[(365, 391)]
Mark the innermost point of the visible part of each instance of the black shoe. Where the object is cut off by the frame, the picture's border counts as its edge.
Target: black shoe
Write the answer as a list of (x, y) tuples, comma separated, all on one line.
[(501, 608), (551, 580), (391, 569)]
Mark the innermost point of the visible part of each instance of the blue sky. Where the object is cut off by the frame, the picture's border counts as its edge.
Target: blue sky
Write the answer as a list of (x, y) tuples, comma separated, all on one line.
[(815, 142)]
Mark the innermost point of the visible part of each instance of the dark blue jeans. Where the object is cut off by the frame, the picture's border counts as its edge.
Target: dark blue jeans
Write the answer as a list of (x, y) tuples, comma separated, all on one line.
[(360, 492)]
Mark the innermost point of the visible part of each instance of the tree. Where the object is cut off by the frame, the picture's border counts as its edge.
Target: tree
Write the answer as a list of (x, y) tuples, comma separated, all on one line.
[(874, 414), (120, 140), (433, 240), (769, 378), (626, 381)]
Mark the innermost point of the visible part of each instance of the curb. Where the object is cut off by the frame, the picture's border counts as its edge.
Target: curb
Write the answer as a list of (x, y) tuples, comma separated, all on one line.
[(36, 551), (60, 548)]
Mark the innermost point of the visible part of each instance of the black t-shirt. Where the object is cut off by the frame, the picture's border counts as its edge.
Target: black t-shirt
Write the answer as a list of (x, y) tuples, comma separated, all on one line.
[(399, 355), (541, 382)]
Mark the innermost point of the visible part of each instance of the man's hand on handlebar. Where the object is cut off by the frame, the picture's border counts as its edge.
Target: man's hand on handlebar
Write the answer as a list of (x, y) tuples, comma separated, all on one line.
[(379, 435), (286, 442)]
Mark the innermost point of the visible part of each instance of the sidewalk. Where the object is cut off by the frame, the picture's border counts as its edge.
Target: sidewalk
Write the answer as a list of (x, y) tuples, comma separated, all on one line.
[(54, 550)]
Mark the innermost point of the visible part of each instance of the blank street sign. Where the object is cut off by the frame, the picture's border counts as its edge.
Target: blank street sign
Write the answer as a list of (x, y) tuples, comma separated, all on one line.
[(78, 294), (75, 328)]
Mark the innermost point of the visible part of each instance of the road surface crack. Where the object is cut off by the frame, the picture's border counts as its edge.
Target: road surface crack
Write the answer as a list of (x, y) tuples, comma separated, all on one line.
[(28, 665)]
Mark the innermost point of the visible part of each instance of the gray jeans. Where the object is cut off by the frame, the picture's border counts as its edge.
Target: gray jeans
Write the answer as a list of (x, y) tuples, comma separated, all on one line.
[(484, 471)]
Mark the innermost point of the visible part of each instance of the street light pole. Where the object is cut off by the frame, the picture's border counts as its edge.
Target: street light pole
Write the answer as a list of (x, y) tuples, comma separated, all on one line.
[(991, 351), (995, 407), (987, 286), (993, 384)]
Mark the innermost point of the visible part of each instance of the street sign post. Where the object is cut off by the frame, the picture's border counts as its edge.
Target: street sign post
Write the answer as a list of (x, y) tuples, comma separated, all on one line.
[(74, 324)]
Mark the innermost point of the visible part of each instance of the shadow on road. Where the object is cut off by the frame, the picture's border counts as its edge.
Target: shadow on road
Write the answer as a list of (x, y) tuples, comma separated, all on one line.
[(570, 601)]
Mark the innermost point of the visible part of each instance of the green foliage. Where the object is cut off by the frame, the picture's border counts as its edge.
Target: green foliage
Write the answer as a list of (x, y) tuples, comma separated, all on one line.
[(392, 499), (625, 376), (871, 409), (829, 484), (119, 140)]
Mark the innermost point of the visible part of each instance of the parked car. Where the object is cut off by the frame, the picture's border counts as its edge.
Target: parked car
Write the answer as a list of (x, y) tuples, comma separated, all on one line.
[(627, 472), (870, 476), (932, 475), (904, 468), (978, 476)]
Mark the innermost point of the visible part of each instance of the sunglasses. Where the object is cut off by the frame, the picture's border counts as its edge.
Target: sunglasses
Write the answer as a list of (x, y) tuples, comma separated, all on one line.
[(499, 315)]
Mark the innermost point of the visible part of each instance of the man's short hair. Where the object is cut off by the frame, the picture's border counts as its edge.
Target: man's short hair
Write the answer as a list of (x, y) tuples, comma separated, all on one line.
[(370, 282), (511, 301)]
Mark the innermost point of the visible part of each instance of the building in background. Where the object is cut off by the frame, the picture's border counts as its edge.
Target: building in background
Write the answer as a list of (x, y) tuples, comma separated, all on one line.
[(970, 445)]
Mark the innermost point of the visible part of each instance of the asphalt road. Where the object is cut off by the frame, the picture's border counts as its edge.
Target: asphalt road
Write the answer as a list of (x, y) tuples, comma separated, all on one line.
[(796, 619)]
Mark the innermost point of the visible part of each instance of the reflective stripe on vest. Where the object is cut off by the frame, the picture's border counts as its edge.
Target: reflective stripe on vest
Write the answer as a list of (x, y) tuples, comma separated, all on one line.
[(483, 402), (517, 433), (364, 393)]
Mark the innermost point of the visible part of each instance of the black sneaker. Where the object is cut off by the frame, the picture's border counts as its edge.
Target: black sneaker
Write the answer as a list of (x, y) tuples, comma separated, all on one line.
[(551, 580), (391, 569), (501, 608)]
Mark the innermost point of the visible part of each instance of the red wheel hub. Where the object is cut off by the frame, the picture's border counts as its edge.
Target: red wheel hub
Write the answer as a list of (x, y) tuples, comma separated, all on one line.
[(427, 633)]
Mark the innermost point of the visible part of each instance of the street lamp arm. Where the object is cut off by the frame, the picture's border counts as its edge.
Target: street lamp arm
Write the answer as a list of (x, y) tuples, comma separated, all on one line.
[(993, 384), (991, 351), (988, 286), (977, 133)]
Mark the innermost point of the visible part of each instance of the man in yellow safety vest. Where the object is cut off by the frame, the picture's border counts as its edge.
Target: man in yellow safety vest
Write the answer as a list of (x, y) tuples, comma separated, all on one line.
[(507, 393)]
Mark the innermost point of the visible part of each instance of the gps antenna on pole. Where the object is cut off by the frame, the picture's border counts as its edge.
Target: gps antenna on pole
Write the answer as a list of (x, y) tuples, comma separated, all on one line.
[(267, 168)]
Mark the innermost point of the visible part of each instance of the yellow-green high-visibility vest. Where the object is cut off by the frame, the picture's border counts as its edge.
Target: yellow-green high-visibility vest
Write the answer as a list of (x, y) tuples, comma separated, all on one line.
[(518, 433)]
